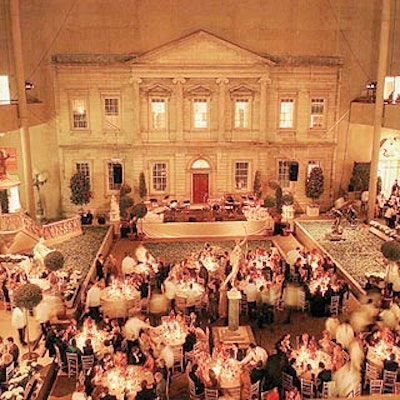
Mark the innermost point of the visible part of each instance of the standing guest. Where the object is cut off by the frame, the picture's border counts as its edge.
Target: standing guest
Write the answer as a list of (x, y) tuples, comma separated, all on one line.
[(99, 267), (161, 386), (146, 392), (13, 349), (18, 321), (324, 375), (257, 373), (251, 292), (198, 384), (93, 302), (128, 264), (6, 294)]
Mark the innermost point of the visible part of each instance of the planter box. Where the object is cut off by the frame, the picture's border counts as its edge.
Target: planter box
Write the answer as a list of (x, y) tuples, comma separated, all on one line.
[(312, 210)]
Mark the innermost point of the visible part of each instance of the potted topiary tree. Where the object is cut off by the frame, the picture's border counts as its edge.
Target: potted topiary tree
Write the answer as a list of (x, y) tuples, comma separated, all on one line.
[(27, 297), (391, 251), (54, 260), (81, 193), (257, 188), (314, 190), (142, 186), (139, 211)]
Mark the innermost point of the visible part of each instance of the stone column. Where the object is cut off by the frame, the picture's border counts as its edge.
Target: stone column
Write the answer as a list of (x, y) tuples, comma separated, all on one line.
[(223, 132), (234, 297), (179, 82), (136, 108), (263, 81)]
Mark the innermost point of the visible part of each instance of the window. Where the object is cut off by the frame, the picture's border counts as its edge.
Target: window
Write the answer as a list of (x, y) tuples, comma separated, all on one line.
[(159, 177), (242, 114), (286, 113), (311, 165), (284, 174), (317, 112), (158, 114), (79, 114), (83, 168), (392, 89), (112, 114), (5, 97), (115, 176), (241, 175), (200, 113)]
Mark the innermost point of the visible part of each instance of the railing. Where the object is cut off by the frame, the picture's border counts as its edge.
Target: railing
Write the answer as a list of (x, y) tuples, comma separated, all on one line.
[(10, 222), (64, 229), (31, 227)]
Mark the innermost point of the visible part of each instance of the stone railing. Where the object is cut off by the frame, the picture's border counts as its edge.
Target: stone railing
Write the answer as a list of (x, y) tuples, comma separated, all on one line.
[(11, 222), (62, 230)]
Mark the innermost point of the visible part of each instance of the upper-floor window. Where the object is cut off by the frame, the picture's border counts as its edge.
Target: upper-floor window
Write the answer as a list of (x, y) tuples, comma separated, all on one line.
[(115, 175), (242, 113), (79, 111), (241, 175), (112, 111), (312, 164), (158, 113), (284, 173), (286, 113), (317, 113), (5, 97), (200, 113), (84, 169), (159, 176)]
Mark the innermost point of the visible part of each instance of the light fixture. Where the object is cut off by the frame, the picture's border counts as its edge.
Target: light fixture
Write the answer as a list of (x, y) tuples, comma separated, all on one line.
[(29, 85), (39, 179)]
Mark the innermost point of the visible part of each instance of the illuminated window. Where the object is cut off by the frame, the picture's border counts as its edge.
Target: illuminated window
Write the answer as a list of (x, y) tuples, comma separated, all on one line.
[(159, 177), (158, 114), (115, 175), (286, 113), (284, 173), (200, 113), (79, 114), (241, 175), (5, 97), (317, 119), (242, 113)]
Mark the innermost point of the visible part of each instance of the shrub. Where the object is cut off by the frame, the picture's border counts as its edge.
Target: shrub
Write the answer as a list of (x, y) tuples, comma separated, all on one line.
[(54, 260), (80, 189), (269, 201), (391, 250), (315, 184), (28, 296)]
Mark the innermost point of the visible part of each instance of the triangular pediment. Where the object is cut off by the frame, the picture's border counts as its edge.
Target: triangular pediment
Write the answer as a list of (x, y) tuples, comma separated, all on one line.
[(201, 48)]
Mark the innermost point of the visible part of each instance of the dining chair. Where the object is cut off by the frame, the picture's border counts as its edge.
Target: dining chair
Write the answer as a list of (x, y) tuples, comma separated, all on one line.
[(328, 390), (255, 390), (371, 372), (306, 388), (87, 362), (376, 386), (178, 358), (210, 394), (397, 388), (9, 371), (287, 381), (357, 392), (192, 391), (334, 306), (73, 364), (389, 380), (233, 392)]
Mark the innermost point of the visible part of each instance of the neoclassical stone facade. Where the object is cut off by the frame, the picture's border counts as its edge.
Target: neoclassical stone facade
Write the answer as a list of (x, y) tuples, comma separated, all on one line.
[(198, 116)]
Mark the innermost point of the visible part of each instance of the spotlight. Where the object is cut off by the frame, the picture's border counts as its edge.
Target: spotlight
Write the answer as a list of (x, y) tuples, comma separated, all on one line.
[(29, 85)]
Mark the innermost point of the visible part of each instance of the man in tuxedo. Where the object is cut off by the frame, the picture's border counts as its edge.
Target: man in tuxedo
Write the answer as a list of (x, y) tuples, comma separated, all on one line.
[(391, 364), (236, 353)]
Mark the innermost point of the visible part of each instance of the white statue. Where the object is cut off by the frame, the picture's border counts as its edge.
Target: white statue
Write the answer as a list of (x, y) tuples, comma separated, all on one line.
[(114, 209), (40, 251)]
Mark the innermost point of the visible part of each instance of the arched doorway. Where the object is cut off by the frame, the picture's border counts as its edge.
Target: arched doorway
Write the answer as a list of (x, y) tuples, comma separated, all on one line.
[(389, 163), (200, 181)]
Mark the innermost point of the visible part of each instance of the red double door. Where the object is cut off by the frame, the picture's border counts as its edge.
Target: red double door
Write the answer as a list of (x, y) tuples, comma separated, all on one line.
[(199, 188)]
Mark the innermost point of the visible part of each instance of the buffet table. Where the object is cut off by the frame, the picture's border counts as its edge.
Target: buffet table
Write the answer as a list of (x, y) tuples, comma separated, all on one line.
[(155, 230)]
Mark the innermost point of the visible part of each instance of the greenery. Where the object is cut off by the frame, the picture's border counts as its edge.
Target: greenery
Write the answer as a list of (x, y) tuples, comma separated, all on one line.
[(391, 250), (28, 296), (359, 180), (257, 189), (4, 201), (142, 186), (315, 184), (288, 199), (378, 185), (125, 200), (279, 198), (139, 210), (269, 201), (54, 260), (80, 189)]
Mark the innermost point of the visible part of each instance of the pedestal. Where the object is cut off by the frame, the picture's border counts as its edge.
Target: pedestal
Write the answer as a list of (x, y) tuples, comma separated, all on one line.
[(234, 298)]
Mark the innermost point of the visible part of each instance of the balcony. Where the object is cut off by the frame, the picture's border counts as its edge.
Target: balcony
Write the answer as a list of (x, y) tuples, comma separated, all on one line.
[(363, 113)]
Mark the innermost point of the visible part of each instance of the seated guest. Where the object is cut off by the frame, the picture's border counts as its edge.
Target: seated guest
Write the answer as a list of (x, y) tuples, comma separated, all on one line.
[(88, 347), (13, 349), (198, 384), (236, 353), (325, 375), (73, 348), (391, 364), (308, 374), (213, 382), (161, 367), (255, 354), (136, 356), (105, 395), (150, 360), (290, 370), (146, 392)]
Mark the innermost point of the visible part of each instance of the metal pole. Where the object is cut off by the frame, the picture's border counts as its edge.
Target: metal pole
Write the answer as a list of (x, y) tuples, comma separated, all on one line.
[(383, 54)]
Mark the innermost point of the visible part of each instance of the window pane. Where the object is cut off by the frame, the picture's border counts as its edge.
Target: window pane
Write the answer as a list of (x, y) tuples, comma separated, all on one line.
[(79, 114), (5, 97), (111, 107), (317, 113), (200, 108), (115, 173), (241, 175), (158, 112), (83, 168), (159, 176), (286, 113), (283, 174), (242, 113)]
